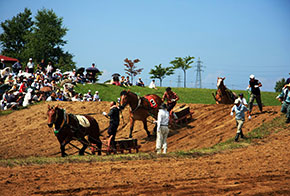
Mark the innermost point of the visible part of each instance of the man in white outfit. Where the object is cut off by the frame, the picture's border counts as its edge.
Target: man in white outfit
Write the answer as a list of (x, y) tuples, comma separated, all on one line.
[(162, 129)]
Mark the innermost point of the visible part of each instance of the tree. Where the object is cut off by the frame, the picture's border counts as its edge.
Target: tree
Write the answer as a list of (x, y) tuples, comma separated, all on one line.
[(131, 69), (161, 72), (183, 63), (279, 85), (13, 40)]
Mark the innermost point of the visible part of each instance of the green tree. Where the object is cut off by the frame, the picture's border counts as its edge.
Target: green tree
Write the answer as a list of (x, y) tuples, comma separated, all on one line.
[(184, 64), (13, 40), (161, 72), (131, 69), (279, 85)]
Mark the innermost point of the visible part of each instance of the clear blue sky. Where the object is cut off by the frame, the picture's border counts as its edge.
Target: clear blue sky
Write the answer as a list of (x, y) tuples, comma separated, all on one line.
[(233, 38)]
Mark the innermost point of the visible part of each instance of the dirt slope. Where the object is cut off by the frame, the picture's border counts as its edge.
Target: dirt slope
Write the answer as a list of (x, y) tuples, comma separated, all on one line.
[(261, 169), (25, 133)]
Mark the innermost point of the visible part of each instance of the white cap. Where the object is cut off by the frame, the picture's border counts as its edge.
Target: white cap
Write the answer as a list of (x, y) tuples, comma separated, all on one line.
[(89, 90), (97, 92), (237, 101), (2, 59), (30, 59), (252, 76)]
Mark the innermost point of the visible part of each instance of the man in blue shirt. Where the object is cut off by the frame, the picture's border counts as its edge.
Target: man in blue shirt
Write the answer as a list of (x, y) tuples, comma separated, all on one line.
[(284, 98), (239, 110)]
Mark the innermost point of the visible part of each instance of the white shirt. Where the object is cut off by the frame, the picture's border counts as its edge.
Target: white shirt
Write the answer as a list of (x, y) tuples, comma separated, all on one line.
[(96, 97), (152, 85), (27, 98), (243, 101), (30, 65), (163, 118)]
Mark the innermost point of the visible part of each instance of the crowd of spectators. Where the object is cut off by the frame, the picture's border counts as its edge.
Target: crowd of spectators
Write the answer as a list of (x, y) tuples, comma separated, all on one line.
[(26, 85)]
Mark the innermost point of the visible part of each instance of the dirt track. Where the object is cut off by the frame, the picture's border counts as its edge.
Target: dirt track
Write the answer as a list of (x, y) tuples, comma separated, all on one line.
[(257, 169)]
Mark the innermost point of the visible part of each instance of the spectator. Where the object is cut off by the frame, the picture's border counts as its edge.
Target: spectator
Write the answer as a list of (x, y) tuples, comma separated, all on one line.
[(16, 67), (123, 81), (152, 85), (88, 96), (284, 98), (27, 98), (140, 82), (76, 97), (23, 86), (96, 96), (127, 81), (162, 129), (41, 66), (2, 64), (255, 93), (52, 97), (30, 66), (49, 70)]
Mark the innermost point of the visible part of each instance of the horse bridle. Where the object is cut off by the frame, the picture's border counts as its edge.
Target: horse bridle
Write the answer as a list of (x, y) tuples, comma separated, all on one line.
[(64, 121), (138, 104)]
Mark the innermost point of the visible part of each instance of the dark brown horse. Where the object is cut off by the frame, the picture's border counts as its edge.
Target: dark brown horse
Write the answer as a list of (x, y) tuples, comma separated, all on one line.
[(223, 94), (140, 108), (69, 127)]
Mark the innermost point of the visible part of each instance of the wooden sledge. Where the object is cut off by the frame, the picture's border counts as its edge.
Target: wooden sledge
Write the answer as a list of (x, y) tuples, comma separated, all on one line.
[(180, 115), (122, 145)]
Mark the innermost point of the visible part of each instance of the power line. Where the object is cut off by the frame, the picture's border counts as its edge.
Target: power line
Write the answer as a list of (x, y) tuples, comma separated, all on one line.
[(198, 73)]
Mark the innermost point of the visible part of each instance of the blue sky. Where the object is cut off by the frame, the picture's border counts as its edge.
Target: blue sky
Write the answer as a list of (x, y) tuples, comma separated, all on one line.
[(233, 38)]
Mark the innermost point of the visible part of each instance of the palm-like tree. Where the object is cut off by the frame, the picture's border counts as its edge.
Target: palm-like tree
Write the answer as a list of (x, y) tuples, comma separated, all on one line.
[(161, 72)]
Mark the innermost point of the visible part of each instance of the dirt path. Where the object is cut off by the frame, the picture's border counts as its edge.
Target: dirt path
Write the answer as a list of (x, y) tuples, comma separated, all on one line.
[(261, 169)]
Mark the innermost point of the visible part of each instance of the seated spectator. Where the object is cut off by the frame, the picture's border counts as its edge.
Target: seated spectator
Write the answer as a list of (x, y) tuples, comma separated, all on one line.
[(152, 85), (96, 96), (23, 86), (59, 97), (140, 82), (115, 81), (76, 97), (127, 81), (27, 98), (88, 96), (123, 81), (52, 97)]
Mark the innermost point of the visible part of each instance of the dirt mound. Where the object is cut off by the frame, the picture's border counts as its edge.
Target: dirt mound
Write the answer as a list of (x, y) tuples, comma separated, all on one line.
[(25, 133)]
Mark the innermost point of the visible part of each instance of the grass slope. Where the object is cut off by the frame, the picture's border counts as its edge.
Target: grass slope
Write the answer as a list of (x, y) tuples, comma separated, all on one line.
[(109, 92)]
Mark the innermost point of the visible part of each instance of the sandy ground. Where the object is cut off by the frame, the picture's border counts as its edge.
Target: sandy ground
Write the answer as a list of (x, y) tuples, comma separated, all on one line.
[(260, 169)]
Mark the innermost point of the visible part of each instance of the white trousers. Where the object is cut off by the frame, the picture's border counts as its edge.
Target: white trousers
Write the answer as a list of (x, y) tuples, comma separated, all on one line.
[(161, 138)]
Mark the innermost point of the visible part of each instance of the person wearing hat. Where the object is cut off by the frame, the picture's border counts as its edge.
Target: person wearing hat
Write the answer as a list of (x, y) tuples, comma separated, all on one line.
[(96, 96), (162, 129), (239, 110), (284, 98), (171, 98), (30, 66), (114, 116), (255, 85)]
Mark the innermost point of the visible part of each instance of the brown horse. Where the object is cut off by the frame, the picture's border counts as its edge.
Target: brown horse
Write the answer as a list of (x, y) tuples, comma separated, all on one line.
[(140, 108), (223, 95), (74, 127)]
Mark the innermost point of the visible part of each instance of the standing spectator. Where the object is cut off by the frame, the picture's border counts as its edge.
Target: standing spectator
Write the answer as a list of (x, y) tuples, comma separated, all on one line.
[(16, 67), (284, 98), (171, 98), (162, 129), (41, 66), (27, 98), (30, 66), (114, 123), (243, 99), (255, 93), (49, 70), (152, 85), (2, 64), (140, 82), (96, 96), (239, 110)]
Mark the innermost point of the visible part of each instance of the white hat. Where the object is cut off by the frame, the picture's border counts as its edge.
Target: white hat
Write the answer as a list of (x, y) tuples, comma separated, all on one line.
[(30, 59), (89, 90), (237, 101), (97, 92), (252, 76), (2, 59)]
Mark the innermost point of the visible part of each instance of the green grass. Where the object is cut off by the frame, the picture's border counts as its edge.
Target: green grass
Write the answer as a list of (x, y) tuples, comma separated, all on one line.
[(263, 131), (109, 92)]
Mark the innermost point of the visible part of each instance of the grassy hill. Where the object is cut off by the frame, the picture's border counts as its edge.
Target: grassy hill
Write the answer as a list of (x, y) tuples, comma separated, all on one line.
[(109, 92)]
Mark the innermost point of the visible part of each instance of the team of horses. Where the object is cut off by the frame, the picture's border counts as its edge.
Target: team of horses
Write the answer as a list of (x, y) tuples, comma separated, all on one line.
[(68, 127)]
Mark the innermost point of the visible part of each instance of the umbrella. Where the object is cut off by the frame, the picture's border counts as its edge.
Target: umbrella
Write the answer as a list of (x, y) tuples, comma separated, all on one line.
[(116, 75), (93, 69), (45, 89), (67, 73), (80, 71)]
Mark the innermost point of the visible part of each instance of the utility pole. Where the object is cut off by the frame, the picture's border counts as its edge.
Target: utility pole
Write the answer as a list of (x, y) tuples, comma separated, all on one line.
[(198, 73), (178, 81)]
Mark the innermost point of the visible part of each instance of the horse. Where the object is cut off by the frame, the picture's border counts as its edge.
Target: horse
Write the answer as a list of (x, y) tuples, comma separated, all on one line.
[(223, 94), (140, 108), (70, 127)]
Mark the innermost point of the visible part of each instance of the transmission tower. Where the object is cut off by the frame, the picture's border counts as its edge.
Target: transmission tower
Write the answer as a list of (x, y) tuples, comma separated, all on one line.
[(178, 81), (198, 73)]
